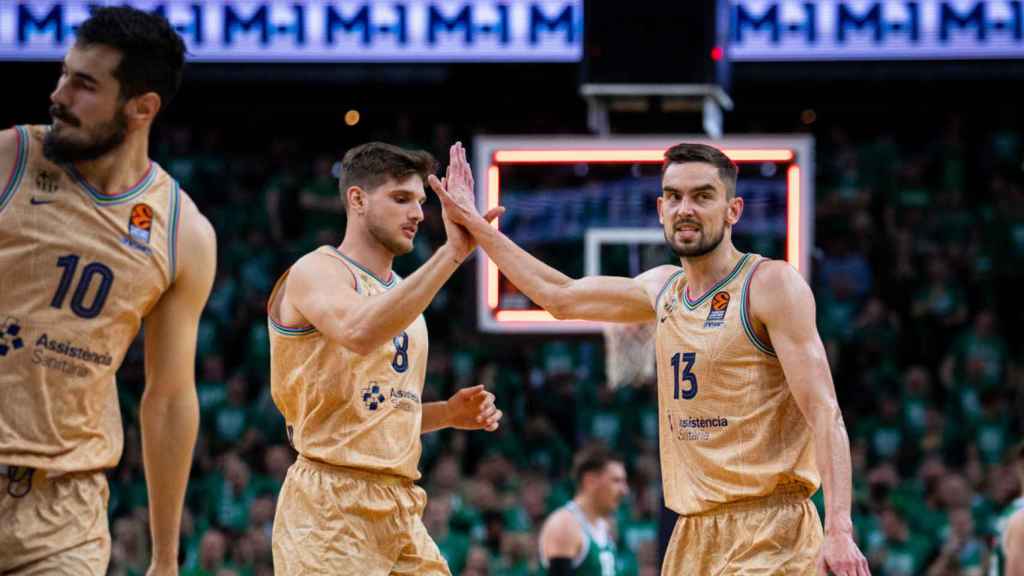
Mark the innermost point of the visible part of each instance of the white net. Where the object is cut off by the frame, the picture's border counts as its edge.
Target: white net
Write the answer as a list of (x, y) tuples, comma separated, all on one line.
[(629, 353)]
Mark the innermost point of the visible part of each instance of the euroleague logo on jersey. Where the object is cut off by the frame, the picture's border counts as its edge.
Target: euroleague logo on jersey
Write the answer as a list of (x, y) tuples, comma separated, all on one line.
[(719, 306), (140, 225)]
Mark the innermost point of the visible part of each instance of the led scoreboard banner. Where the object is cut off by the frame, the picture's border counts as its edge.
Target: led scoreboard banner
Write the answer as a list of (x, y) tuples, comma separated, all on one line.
[(558, 190), (322, 30), (796, 30)]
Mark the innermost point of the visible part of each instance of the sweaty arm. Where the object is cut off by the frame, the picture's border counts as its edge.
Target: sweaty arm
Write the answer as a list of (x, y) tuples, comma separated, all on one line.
[(783, 302), (599, 298), (169, 412), (560, 541), (321, 289)]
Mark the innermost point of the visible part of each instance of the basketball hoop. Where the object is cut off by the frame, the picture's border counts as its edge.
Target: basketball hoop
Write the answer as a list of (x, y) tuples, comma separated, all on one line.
[(629, 353)]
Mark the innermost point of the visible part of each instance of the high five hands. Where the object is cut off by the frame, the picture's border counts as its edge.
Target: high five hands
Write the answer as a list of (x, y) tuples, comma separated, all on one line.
[(458, 203)]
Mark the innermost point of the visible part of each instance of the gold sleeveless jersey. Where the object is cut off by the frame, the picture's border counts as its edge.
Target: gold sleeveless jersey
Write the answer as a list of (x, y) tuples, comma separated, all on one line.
[(348, 409), (78, 272), (730, 428)]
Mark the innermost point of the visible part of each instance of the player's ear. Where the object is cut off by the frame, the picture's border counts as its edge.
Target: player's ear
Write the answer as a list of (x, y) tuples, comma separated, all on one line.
[(661, 216), (735, 210), (356, 199), (143, 108)]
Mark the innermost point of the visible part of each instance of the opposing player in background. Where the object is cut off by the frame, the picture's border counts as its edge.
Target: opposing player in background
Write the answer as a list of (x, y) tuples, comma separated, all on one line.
[(348, 348), (749, 422), (1008, 559), (90, 236), (577, 539)]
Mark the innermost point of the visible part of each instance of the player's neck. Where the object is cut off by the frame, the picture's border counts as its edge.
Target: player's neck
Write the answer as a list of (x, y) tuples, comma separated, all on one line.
[(120, 169), (590, 511), (368, 252), (705, 271)]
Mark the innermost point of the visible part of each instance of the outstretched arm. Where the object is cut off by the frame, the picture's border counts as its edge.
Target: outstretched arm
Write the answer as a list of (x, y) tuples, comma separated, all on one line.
[(169, 412), (781, 299), (322, 292), (602, 298)]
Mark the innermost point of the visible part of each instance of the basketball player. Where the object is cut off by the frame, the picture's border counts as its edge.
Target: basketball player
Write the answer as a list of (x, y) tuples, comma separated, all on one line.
[(575, 539), (749, 417), (348, 347), (1008, 559), (93, 242)]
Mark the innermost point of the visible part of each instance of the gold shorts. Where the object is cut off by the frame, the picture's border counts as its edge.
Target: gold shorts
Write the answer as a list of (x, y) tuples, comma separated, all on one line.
[(777, 534), (53, 525), (348, 522)]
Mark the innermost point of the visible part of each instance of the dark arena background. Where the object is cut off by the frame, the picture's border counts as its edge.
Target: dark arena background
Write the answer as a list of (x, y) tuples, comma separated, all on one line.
[(905, 123)]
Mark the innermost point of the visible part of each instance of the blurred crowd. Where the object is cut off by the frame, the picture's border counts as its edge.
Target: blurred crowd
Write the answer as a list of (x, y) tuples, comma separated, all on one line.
[(918, 255)]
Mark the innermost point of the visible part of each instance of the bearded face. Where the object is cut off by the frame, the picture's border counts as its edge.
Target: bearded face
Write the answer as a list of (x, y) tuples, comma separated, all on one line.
[(87, 107), (695, 209), (69, 140)]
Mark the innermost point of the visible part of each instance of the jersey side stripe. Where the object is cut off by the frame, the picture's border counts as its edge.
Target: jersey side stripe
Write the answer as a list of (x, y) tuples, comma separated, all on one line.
[(21, 160), (748, 327), (172, 230)]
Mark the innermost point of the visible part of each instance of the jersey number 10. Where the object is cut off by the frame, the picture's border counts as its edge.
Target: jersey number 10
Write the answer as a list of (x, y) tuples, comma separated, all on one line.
[(95, 271)]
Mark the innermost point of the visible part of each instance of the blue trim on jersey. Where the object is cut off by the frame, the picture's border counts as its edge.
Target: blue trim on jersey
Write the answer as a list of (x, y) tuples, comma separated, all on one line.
[(289, 331), (20, 162), (172, 230), (111, 200), (671, 279), (748, 327), (387, 284), (694, 304)]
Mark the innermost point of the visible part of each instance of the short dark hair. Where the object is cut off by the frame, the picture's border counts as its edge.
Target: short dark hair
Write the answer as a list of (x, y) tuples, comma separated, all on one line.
[(592, 459), (152, 53), (370, 165), (690, 152)]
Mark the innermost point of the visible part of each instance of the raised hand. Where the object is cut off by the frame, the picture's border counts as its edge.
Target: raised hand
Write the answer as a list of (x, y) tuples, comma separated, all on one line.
[(456, 191), (458, 204)]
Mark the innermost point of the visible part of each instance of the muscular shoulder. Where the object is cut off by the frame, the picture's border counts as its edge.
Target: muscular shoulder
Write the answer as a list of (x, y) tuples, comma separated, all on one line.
[(197, 238), (777, 283), (197, 251), (654, 280), (314, 271), (8, 153), (561, 535)]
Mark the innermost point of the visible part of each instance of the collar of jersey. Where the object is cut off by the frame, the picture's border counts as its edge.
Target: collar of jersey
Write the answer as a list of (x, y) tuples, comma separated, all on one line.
[(691, 305), (388, 284), (111, 199)]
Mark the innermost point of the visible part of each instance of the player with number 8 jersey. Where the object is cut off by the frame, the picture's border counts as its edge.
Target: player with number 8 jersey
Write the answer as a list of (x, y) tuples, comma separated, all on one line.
[(348, 354)]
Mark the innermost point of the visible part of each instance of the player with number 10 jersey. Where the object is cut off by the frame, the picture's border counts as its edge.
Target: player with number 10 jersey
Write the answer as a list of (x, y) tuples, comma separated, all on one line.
[(93, 245)]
